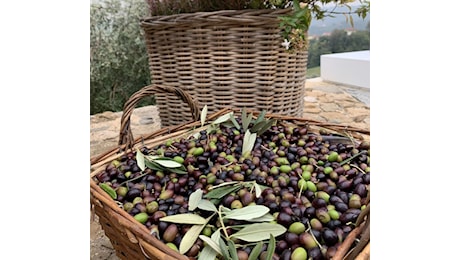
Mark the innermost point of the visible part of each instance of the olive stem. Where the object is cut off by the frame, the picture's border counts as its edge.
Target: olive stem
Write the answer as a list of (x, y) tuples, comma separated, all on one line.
[(222, 222), (311, 233), (353, 157), (355, 166), (301, 189), (133, 179)]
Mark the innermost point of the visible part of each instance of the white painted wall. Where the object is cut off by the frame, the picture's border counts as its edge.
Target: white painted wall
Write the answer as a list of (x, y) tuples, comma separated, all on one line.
[(350, 68)]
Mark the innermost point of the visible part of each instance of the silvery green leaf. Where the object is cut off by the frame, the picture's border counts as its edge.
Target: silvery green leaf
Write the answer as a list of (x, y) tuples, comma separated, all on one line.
[(204, 112), (194, 199), (257, 126), (207, 253), (255, 252), (245, 120), (224, 249), (247, 213), (257, 189), (215, 236), (265, 218), (232, 250), (235, 123), (221, 192), (260, 117), (154, 166), (168, 163), (190, 237), (266, 126), (271, 247), (224, 184), (206, 205), (213, 244), (222, 118), (186, 218), (225, 209), (227, 124), (151, 157), (196, 135), (259, 231), (248, 142), (140, 160), (210, 129)]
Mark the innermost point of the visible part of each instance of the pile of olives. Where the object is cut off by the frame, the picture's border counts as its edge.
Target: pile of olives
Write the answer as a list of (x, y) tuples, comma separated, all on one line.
[(314, 185)]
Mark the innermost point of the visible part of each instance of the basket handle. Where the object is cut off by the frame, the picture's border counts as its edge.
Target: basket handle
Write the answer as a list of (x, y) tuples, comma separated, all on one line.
[(126, 135)]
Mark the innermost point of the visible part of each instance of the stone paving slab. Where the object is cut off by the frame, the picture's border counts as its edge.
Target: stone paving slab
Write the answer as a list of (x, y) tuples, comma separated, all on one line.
[(323, 101)]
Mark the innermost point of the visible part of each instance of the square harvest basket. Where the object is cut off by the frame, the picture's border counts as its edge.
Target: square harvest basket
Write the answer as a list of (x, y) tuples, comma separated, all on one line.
[(133, 240)]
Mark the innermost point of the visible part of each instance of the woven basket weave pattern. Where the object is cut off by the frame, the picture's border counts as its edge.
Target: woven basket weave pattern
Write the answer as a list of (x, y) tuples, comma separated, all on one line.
[(224, 59)]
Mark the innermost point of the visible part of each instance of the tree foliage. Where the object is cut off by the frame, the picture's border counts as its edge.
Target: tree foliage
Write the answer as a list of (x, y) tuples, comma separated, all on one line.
[(338, 41), (118, 56)]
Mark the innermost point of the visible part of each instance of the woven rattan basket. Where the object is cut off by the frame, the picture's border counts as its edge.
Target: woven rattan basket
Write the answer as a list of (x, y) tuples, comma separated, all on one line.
[(132, 240), (224, 59)]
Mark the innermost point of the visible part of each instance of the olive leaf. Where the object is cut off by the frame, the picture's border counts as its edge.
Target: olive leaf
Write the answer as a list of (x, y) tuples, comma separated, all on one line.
[(222, 118), (194, 199), (207, 253), (256, 251), (221, 192), (191, 236), (259, 231), (247, 213), (213, 244), (224, 209), (196, 135), (245, 120), (168, 163), (257, 189), (151, 157), (153, 166), (265, 218), (248, 142), (204, 112), (224, 184), (186, 218), (140, 160), (271, 247), (260, 117), (224, 249), (165, 164), (266, 126), (232, 250), (215, 236), (235, 123), (206, 205), (257, 126)]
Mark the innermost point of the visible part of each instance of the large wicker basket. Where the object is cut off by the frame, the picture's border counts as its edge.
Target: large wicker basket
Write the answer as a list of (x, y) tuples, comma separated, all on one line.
[(224, 59), (132, 240)]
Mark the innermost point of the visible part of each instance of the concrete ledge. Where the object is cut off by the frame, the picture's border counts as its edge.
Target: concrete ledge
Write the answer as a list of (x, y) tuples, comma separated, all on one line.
[(349, 68)]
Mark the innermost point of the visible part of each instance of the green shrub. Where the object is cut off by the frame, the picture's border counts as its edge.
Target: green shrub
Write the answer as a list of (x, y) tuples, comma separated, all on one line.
[(119, 61)]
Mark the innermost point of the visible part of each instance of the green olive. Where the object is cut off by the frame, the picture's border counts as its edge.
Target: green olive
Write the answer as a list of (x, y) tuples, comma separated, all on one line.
[(141, 217), (333, 156), (299, 254)]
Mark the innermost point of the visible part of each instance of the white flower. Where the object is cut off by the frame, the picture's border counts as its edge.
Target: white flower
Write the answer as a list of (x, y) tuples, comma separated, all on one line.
[(286, 44)]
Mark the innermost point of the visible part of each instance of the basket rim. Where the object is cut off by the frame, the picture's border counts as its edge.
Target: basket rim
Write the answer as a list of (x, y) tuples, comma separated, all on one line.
[(245, 15)]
